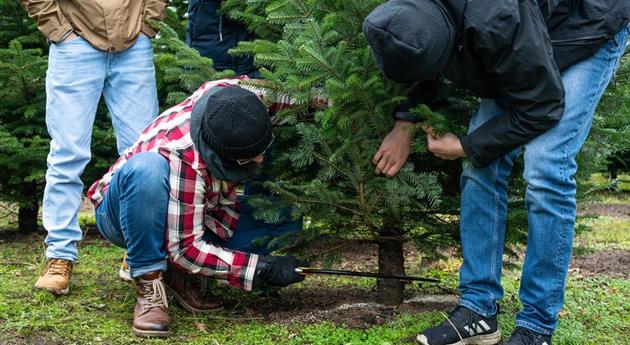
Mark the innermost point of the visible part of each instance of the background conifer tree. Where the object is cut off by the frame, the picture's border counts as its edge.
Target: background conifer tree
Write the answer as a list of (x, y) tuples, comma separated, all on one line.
[(608, 145), (23, 137)]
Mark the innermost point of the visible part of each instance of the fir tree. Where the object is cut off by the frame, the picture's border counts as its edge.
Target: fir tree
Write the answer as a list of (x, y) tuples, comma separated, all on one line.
[(23, 142), (608, 146), (23, 138), (324, 167), (180, 69)]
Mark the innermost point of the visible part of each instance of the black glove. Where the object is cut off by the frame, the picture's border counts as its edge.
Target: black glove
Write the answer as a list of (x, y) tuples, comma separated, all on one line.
[(279, 270)]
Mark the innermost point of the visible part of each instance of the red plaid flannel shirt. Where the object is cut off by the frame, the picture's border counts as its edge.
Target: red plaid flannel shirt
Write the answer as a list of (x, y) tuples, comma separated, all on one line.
[(198, 202)]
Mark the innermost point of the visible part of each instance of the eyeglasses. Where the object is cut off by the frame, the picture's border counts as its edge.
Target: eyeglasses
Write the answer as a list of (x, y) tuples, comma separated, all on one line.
[(249, 160)]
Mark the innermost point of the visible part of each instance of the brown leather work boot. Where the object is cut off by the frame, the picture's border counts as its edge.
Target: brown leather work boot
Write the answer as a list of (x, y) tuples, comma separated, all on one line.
[(56, 277), (187, 291), (150, 316)]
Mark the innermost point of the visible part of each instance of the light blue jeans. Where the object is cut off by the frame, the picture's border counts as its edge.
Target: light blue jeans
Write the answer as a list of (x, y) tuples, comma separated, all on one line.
[(77, 76), (550, 201)]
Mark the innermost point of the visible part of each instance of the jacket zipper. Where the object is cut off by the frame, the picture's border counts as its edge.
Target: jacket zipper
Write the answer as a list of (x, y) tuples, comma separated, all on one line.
[(194, 24), (220, 27)]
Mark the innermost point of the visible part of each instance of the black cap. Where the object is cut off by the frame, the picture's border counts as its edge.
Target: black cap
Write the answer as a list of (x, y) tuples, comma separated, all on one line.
[(411, 39), (235, 123)]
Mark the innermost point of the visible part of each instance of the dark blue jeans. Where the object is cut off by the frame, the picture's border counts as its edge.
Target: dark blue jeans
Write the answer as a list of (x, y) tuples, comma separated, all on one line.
[(133, 214), (256, 236)]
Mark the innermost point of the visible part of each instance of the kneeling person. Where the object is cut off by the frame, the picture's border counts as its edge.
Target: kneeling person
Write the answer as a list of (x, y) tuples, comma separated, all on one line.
[(170, 200)]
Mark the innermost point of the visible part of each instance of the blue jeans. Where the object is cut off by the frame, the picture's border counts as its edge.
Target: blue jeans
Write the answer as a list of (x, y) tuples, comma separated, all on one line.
[(256, 236), (133, 212), (550, 201), (133, 215), (77, 76)]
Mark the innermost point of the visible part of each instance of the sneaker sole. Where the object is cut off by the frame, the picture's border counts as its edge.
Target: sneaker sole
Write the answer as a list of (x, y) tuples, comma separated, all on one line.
[(124, 275), (486, 339), (187, 306), (143, 333)]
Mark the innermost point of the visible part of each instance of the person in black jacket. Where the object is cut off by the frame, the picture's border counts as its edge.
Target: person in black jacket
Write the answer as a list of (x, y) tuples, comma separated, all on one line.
[(214, 34), (540, 68)]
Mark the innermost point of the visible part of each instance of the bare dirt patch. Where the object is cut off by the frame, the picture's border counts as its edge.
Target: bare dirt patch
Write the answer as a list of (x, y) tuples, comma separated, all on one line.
[(608, 210), (613, 263), (347, 307)]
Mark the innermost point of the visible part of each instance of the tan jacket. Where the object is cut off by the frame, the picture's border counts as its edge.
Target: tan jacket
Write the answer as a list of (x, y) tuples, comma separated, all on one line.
[(109, 25)]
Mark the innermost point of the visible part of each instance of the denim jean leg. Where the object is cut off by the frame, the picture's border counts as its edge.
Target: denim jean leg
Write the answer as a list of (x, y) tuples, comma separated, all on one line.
[(482, 225), (74, 81), (130, 91), (550, 169), (108, 223), (254, 235), (135, 205)]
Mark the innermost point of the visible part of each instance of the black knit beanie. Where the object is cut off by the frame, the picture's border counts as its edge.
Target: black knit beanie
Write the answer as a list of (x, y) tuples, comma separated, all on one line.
[(411, 40), (235, 124)]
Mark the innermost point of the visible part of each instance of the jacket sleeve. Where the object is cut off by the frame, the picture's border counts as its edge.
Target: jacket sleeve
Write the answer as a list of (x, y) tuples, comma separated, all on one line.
[(154, 9), (49, 18), (188, 219), (425, 92), (515, 48)]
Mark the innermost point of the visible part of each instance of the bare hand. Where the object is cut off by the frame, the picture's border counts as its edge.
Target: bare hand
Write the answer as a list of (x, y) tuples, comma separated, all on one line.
[(394, 150), (447, 146)]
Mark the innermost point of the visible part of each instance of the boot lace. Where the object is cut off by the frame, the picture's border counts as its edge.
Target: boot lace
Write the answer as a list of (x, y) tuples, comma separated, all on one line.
[(58, 267), (154, 294)]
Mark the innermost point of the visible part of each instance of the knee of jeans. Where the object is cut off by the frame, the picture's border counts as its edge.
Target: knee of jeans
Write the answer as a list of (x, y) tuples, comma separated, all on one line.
[(546, 169), (149, 167), (67, 164)]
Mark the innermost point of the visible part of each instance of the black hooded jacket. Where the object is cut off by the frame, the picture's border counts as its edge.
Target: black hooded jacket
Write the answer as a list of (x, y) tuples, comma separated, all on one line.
[(515, 50), (212, 34)]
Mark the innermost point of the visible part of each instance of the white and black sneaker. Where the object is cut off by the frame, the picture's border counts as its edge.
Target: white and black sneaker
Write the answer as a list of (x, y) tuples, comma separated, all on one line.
[(524, 336), (462, 327)]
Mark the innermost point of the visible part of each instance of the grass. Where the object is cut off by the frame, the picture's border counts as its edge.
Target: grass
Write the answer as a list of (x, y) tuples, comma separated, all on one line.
[(99, 308), (606, 233), (601, 180)]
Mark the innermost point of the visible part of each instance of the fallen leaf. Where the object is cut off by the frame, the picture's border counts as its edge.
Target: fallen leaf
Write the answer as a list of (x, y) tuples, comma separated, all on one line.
[(200, 327)]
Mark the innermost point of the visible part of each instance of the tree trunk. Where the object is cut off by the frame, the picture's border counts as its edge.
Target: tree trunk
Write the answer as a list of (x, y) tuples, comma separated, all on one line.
[(27, 218), (390, 261), (614, 173), (28, 211)]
